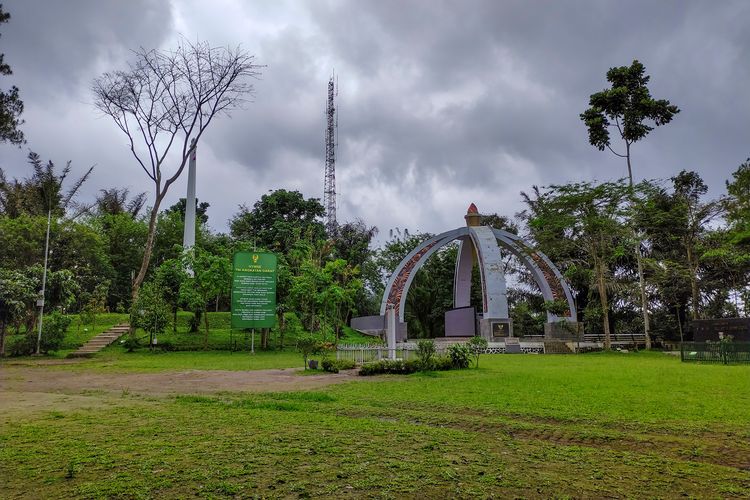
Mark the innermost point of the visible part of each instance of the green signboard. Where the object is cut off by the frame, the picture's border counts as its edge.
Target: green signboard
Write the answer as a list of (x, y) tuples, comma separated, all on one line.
[(253, 290)]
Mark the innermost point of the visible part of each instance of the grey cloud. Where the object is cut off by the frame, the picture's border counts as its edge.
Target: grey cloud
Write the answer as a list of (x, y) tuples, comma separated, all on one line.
[(441, 102)]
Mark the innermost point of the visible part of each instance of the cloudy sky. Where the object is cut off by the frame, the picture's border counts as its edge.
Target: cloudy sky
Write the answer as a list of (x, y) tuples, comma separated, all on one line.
[(440, 103)]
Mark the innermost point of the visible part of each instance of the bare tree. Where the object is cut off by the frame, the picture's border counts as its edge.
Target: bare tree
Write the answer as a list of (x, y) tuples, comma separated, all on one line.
[(164, 99)]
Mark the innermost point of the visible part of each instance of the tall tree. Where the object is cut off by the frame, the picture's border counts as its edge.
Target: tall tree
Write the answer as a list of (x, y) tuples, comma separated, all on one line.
[(168, 98), (18, 291), (114, 201), (589, 217), (278, 220), (629, 108), (11, 105)]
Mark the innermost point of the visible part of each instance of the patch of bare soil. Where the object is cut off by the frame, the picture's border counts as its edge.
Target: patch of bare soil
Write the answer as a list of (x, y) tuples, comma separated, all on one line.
[(25, 388), (24, 379)]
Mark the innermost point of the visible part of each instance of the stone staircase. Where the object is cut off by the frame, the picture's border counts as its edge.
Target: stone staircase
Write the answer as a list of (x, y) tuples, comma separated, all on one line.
[(101, 341), (557, 347)]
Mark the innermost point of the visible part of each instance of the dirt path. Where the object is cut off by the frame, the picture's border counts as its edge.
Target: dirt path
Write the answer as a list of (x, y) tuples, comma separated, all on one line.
[(25, 388), (25, 379)]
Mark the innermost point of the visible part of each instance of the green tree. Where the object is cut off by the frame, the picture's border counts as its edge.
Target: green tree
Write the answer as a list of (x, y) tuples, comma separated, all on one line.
[(340, 287), (628, 107), (589, 217), (43, 192), (11, 105), (115, 201), (124, 238), (278, 220), (169, 276), (18, 291), (170, 230), (150, 311), (308, 345), (211, 275), (477, 346)]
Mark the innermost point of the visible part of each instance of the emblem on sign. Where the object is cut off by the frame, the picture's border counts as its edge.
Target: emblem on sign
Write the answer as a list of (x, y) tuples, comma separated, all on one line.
[(255, 259)]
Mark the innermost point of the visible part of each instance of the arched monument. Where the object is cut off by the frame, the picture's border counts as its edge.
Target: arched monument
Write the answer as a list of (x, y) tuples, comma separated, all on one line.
[(481, 245)]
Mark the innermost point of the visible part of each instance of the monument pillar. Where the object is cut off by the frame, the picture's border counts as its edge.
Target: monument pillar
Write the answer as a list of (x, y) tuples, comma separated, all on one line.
[(188, 235)]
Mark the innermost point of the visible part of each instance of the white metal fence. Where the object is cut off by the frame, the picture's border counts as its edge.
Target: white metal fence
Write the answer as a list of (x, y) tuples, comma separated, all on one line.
[(364, 353)]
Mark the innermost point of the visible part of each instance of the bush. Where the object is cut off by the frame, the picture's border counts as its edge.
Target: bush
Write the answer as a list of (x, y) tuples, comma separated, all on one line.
[(460, 355), (54, 327), (425, 352), (397, 367), (131, 343), (442, 363), (334, 365)]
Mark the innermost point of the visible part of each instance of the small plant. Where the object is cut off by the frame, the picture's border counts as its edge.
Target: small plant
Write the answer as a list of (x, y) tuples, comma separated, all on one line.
[(130, 343), (425, 352), (460, 354), (70, 471), (334, 365), (477, 346), (308, 345)]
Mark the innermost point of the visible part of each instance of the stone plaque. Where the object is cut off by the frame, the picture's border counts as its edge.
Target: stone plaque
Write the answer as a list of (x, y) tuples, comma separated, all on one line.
[(500, 329)]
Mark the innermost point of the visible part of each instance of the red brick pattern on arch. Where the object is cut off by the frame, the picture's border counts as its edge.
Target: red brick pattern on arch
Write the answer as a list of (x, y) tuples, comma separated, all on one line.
[(397, 289)]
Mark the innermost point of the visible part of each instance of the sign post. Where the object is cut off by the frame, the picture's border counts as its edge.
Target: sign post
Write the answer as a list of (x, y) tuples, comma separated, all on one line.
[(254, 291)]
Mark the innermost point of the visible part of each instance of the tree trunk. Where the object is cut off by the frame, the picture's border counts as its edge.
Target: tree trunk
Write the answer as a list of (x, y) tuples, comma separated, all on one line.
[(627, 157), (644, 299), (693, 282), (138, 280), (282, 327), (605, 307), (2, 339), (174, 320), (205, 322)]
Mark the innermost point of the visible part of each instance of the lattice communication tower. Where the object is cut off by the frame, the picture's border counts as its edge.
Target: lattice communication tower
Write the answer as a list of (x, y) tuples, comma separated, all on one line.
[(329, 183)]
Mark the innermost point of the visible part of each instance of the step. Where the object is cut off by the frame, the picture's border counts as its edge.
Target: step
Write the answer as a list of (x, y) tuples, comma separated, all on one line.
[(99, 342)]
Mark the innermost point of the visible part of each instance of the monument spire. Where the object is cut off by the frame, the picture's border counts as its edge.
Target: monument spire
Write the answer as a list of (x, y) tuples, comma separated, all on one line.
[(188, 235)]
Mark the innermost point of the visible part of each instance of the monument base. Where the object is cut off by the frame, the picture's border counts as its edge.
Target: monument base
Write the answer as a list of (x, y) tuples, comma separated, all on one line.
[(495, 329), (563, 330)]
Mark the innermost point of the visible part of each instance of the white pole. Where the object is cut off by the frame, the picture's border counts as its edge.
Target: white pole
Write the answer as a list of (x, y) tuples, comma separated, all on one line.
[(390, 317), (188, 235), (44, 283)]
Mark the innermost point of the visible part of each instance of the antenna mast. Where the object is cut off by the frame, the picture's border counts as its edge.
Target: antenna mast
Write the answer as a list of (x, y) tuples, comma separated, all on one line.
[(329, 184)]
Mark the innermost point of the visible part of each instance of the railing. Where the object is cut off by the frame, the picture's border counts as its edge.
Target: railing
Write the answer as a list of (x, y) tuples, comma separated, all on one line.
[(716, 352), (364, 353), (627, 338)]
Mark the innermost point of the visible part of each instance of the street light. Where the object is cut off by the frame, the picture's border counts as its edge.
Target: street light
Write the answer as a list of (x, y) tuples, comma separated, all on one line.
[(40, 302)]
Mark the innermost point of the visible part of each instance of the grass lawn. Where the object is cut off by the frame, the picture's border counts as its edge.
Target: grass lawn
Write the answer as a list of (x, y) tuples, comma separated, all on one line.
[(596, 425)]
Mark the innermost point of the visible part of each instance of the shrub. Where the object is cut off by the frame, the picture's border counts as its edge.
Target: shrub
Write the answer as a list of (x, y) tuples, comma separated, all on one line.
[(442, 363), (53, 333), (131, 343), (459, 355), (425, 352), (334, 365), (399, 367)]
